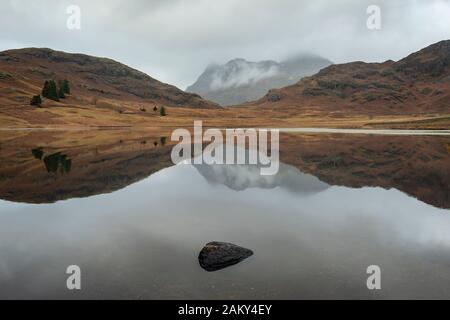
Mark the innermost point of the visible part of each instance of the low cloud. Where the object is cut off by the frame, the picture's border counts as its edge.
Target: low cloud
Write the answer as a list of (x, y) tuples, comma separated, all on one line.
[(246, 73), (174, 40)]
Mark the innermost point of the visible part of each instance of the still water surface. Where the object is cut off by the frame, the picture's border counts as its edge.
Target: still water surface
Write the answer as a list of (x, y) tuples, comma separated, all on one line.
[(311, 238)]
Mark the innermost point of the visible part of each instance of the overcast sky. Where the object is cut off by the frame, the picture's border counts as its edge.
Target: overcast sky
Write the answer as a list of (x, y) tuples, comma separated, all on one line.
[(174, 40)]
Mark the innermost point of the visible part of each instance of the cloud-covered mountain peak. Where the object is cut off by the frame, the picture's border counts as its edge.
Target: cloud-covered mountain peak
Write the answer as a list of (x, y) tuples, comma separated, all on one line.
[(240, 80)]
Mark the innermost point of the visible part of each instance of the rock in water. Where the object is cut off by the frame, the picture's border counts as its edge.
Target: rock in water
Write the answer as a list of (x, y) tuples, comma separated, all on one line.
[(218, 255)]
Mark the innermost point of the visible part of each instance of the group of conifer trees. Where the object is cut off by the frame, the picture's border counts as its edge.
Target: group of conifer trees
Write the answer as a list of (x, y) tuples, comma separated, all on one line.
[(52, 91)]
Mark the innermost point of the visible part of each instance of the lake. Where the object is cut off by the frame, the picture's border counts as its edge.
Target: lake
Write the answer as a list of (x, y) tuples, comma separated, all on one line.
[(112, 202)]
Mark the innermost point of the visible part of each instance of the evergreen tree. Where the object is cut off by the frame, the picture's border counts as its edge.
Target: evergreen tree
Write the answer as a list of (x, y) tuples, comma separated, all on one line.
[(53, 91), (45, 89), (50, 90), (64, 86), (36, 100), (61, 94), (162, 111)]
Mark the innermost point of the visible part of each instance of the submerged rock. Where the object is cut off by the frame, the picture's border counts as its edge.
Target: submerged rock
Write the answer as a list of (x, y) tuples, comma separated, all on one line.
[(218, 255)]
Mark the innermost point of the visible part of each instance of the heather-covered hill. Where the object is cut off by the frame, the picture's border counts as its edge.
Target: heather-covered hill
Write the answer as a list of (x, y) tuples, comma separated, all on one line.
[(417, 84), (25, 70)]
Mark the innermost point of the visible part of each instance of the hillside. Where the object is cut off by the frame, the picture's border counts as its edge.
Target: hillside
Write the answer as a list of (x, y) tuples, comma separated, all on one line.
[(240, 81), (417, 84), (23, 71), (411, 93)]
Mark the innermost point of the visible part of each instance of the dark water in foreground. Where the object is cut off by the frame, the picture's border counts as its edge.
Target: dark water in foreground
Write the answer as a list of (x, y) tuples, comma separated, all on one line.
[(135, 228)]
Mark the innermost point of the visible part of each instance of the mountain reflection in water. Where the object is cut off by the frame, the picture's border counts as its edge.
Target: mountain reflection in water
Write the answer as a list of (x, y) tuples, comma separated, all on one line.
[(135, 223), (418, 166)]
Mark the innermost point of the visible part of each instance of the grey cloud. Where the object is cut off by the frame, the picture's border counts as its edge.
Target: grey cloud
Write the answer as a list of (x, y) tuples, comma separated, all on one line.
[(174, 40), (246, 73)]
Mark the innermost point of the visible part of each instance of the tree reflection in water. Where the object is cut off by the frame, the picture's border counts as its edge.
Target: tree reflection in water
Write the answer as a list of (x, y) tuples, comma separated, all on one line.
[(54, 163)]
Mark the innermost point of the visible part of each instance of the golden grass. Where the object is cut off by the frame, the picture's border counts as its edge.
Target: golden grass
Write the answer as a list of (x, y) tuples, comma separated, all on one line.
[(77, 112)]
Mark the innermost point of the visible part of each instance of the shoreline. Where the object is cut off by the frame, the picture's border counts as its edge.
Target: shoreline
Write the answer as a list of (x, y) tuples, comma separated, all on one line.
[(301, 130)]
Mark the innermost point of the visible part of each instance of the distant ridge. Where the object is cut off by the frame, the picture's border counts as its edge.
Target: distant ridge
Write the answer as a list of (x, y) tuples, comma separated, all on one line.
[(240, 81)]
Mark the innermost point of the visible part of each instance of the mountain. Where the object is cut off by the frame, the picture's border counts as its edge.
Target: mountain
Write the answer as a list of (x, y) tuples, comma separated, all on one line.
[(104, 161), (25, 70), (419, 83), (240, 81)]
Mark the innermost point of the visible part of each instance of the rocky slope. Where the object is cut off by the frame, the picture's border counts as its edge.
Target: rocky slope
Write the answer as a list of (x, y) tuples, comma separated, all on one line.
[(240, 81), (23, 72), (419, 83)]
